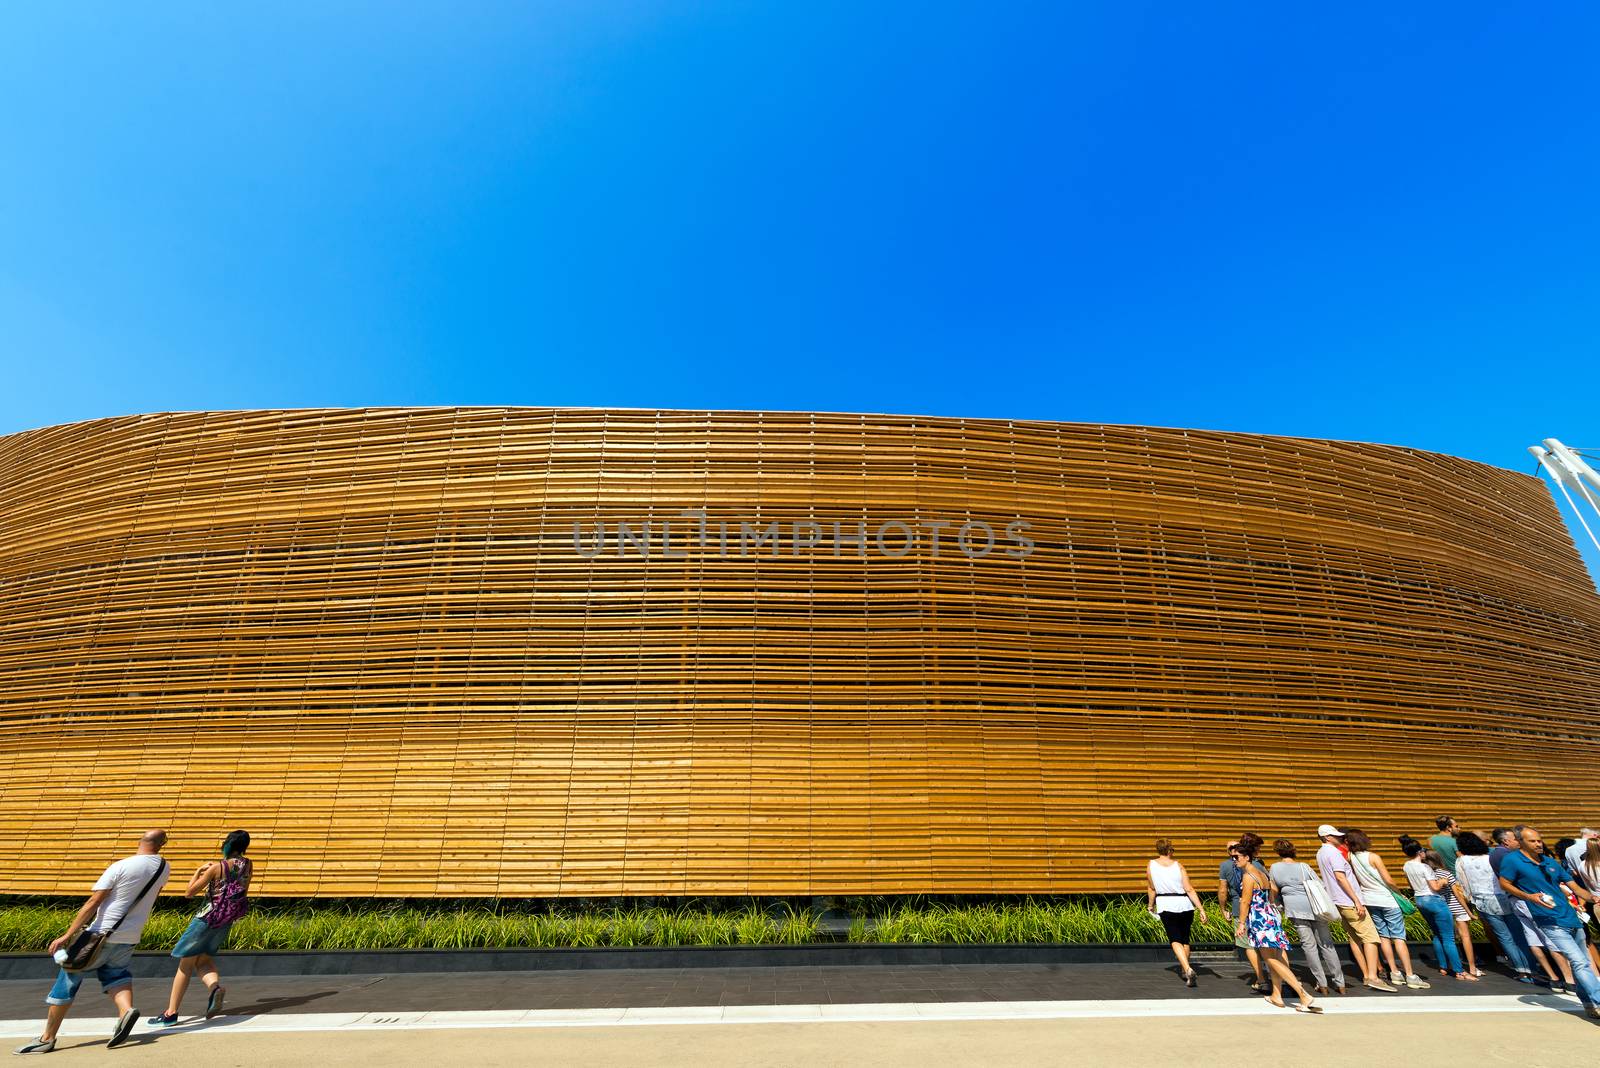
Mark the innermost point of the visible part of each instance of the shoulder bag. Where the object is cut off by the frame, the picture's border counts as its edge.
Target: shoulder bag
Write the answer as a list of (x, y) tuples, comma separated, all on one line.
[(85, 951), (1321, 901)]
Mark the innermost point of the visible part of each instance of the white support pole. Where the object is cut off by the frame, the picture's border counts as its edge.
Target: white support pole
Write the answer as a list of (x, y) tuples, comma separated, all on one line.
[(1566, 468)]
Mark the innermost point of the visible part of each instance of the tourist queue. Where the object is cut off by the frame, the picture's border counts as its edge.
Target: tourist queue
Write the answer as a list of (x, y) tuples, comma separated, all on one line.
[(1539, 904)]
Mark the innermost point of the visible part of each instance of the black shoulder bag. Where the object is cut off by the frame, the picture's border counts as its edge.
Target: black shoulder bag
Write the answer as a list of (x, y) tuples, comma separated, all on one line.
[(85, 951)]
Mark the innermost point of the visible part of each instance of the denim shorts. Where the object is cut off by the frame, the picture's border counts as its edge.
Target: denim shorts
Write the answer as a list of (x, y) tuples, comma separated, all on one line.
[(113, 974), (1391, 923)]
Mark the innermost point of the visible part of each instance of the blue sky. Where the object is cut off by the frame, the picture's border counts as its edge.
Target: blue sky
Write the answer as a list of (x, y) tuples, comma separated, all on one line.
[(1376, 224)]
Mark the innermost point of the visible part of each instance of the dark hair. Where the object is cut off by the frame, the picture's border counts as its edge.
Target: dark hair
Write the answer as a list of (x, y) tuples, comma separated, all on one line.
[(1444, 822), (1562, 845), (1409, 845), (1284, 847), (1357, 839), (1163, 847), (1497, 834), (236, 843), (1470, 845), (1250, 844)]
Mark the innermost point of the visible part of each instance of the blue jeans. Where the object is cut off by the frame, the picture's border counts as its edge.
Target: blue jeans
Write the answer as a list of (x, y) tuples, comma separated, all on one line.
[(113, 974), (1443, 925), (1508, 932), (1568, 941)]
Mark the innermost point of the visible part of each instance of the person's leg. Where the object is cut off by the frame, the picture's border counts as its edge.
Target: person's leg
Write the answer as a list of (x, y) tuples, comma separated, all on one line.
[(59, 1001), (206, 966), (1404, 953), (1307, 931), (52, 1021), (1330, 953), (1386, 945), (1516, 953), (122, 998), (180, 984), (1437, 913), (1254, 957), (1274, 980), (1464, 937), (1181, 951), (1278, 966), (1544, 963), (1566, 945)]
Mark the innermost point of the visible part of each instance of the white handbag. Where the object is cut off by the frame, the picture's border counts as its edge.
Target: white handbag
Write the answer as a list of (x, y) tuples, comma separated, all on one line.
[(1321, 901)]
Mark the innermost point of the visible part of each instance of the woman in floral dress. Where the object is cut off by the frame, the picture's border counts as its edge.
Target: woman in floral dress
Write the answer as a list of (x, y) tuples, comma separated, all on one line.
[(1259, 924)]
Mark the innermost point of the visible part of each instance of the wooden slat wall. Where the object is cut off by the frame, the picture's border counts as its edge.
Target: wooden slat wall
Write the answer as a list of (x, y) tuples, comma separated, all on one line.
[(366, 636)]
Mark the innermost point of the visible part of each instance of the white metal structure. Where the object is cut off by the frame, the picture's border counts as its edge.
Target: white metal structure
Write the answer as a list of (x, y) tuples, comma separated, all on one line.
[(1570, 472)]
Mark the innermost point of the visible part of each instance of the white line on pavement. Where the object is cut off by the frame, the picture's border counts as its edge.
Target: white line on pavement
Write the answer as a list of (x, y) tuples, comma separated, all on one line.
[(765, 1014)]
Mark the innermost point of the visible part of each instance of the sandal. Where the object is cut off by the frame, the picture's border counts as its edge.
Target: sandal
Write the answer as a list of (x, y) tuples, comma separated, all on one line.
[(1308, 1006)]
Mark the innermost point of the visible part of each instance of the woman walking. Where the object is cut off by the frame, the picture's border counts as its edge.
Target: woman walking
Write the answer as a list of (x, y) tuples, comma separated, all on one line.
[(1258, 924), (1290, 876), (1378, 892), (227, 882), (1175, 901), (1430, 887)]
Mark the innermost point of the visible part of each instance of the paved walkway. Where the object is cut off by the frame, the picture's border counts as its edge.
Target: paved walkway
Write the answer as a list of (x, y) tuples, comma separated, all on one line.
[(1483, 1039), (923, 1016), (663, 987)]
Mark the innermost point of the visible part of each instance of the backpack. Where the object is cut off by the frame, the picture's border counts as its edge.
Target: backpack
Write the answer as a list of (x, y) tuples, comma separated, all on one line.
[(228, 900)]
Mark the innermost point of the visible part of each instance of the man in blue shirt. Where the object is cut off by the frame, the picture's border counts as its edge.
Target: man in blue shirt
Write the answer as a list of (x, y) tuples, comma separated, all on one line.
[(1535, 878)]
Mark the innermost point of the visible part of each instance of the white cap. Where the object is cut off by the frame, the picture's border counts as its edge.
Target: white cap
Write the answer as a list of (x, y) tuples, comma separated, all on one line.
[(1327, 829)]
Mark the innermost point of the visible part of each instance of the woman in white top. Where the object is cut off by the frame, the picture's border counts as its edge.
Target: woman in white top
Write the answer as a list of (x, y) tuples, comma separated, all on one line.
[(1378, 894), (1476, 875), (1429, 887), (1174, 901)]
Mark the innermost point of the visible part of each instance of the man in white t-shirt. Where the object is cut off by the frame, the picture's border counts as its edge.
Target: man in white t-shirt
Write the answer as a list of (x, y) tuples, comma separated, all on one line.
[(121, 903)]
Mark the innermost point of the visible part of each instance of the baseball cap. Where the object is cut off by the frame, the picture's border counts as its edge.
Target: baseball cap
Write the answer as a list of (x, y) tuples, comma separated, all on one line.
[(1327, 829)]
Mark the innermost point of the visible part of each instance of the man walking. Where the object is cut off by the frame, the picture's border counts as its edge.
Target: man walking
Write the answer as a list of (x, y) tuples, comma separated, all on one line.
[(1531, 876), (1230, 888), (120, 904), (1340, 879)]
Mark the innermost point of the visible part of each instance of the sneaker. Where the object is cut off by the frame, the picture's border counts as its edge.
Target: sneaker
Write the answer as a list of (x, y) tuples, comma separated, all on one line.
[(1417, 982), (1397, 978), (1524, 977), (1379, 984), (1592, 1010), (38, 1045), (214, 1002), (124, 1028), (166, 1019)]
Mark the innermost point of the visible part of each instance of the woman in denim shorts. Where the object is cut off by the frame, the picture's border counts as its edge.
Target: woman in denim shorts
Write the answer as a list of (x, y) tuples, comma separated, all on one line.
[(227, 881)]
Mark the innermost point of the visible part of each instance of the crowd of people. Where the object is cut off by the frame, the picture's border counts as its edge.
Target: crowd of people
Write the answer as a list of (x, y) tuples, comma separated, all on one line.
[(1540, 904), (101, 937)]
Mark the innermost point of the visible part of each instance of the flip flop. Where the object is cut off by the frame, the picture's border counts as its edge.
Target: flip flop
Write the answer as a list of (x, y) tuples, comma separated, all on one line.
[(1313, 1008)]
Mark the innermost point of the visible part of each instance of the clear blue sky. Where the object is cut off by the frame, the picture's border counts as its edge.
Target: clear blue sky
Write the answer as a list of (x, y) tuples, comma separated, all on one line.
[(1369, 223)]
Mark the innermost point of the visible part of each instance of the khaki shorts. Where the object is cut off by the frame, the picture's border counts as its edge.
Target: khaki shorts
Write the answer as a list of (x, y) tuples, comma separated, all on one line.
[(1361, 929)]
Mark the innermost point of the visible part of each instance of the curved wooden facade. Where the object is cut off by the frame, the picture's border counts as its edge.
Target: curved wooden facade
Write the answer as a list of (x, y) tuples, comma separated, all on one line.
[(370, 637)]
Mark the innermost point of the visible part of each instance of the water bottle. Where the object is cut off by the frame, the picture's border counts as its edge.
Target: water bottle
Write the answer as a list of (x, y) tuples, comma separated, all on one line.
[(59, 956)]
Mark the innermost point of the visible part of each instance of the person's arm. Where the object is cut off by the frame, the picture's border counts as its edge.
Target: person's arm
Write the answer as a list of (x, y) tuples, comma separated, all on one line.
[(1245, 892), (1351, 892), (1194, 895), (1150, 888), (1222, 895), (85, 914), (203, 875), (1579, 891), (1513, 890)]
